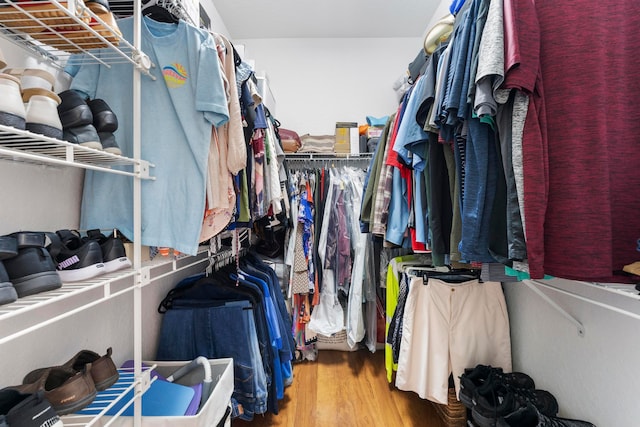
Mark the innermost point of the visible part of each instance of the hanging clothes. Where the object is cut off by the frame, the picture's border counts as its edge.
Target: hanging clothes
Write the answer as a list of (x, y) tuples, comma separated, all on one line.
[(188, 99), (234, 313)]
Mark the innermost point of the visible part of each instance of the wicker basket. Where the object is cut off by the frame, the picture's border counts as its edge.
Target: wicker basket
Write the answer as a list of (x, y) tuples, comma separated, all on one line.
[(454, 414)]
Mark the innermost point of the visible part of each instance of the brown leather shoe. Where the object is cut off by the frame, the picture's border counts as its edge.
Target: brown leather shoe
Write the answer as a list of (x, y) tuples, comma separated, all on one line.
[(103, 370), (67, 390)]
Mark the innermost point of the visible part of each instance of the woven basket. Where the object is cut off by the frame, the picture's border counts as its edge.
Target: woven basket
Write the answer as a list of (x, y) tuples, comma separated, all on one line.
[(454, 414)]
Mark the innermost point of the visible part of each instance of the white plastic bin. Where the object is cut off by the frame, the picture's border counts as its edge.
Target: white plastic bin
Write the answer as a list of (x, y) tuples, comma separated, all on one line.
[(212, 414)]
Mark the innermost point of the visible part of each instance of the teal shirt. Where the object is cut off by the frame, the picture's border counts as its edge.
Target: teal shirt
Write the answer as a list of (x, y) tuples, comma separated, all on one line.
[(178, 111)]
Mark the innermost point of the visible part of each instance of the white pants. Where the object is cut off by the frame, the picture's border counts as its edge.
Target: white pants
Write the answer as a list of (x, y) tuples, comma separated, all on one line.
[(447, 328)]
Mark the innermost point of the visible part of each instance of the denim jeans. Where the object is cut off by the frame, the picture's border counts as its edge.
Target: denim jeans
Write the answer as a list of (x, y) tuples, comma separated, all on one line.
[(215, 290), (188, 332)]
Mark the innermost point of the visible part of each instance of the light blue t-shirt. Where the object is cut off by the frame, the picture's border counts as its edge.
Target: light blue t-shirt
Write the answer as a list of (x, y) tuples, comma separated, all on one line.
[(177, 113)]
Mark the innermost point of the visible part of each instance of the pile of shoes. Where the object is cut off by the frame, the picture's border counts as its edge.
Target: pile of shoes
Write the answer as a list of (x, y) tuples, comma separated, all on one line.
[(47, 393), (499, 399), (29, 103), (34, 262)]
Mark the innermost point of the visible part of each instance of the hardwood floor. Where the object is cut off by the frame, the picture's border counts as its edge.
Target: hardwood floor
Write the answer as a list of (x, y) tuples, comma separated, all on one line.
[(347, 389)]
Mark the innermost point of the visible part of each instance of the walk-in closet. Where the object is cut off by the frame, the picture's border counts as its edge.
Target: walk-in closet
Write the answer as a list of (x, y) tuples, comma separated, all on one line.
[(287, 213)]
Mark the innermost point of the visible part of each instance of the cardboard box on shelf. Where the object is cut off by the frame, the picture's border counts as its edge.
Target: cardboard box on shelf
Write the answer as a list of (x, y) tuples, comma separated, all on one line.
[(347, 138)]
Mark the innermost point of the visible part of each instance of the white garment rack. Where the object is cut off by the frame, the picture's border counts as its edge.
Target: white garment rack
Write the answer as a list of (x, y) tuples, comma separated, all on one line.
[(299, 161)]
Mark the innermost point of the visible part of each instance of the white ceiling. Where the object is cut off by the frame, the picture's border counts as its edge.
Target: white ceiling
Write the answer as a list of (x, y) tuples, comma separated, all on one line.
[(251, 19)]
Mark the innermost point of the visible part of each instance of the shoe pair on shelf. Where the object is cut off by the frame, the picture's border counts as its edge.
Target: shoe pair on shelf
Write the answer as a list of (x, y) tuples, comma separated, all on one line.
[(499, 399), (80, 258), (48, 392), (90, 123), (67, 115), (34, 262), (28, 101), (26, 267)]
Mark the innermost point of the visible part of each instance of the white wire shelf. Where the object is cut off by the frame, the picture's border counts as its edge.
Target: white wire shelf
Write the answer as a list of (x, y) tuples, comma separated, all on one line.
[(35, 311), (16, 144), (30, 313), (122, 393), (54, 30)]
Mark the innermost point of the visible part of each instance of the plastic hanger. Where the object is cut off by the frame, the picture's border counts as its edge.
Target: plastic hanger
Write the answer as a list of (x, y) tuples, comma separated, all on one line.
[(453, 276), (159, 10)]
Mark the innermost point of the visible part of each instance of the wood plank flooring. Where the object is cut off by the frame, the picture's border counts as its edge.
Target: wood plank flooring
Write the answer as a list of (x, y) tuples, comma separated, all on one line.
[(347, 389)]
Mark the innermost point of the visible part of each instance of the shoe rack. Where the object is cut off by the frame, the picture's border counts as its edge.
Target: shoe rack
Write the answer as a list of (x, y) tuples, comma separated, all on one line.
[(53, 31)]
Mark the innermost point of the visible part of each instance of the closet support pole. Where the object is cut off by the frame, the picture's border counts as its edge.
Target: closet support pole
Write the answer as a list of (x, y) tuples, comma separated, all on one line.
[(532, 285), (137, 222)]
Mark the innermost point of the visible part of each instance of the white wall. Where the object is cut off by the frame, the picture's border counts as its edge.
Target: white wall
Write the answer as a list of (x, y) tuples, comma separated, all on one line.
[(594, 377), (318, 82), (36, 197), (217, 23)]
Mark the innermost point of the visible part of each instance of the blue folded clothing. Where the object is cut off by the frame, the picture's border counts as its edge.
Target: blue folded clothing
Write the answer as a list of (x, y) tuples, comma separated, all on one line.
[(377, 122)]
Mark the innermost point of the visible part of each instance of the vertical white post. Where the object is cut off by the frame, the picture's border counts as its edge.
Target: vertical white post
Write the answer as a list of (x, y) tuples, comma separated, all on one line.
[(137, 220)]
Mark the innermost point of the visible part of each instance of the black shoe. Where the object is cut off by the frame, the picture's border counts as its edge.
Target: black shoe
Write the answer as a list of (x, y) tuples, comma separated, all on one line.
[(85, 135), (529, 416), (104, 120), (27, 410), (495, 399), (114, 255), (109, 143), (76, 260), (8, 247), (473, 378), (8, 293), (73, 110), (33, 270)]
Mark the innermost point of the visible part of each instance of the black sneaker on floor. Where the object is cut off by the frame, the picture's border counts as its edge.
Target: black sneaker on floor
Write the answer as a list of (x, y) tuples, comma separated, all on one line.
[(33, 270), (75, 260), (27, 410), (473, 378), (114, 255), (495, 399), (529, 416)]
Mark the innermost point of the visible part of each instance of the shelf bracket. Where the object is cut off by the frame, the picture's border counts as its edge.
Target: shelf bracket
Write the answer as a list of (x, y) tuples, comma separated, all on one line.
[(556, 306), (143, 63), (144, 277), (142, 169)]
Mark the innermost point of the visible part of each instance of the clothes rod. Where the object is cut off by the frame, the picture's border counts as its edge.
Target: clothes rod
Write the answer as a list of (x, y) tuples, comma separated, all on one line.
[(327, 156)]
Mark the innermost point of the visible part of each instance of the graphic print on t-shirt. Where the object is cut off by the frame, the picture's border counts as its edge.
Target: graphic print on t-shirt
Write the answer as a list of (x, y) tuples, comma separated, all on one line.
[(175, 75)]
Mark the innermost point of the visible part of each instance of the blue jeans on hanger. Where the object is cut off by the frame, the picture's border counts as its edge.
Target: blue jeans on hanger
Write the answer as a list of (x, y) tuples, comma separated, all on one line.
[(188, 332)]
